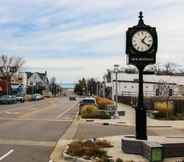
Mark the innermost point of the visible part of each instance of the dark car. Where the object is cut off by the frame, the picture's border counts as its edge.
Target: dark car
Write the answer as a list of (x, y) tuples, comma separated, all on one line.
[(8, 99), (72, 97)]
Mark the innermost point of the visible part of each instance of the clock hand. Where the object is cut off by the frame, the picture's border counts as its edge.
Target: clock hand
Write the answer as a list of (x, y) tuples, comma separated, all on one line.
[(145, 42), (144, 38)]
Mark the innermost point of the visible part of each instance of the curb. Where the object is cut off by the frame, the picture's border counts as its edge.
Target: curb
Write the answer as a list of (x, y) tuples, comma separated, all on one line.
[(57, 154)]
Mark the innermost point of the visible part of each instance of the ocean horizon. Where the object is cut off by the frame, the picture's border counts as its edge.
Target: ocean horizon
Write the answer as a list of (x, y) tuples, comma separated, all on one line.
[(68, 85)]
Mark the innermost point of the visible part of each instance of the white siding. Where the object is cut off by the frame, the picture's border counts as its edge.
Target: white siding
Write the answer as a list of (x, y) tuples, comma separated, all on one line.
[(127, 86)]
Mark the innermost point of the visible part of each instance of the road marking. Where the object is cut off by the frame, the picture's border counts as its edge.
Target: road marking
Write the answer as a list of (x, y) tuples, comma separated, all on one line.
[(67, 110), (47, 120), (12, 113), (27, 142), (6, 155)]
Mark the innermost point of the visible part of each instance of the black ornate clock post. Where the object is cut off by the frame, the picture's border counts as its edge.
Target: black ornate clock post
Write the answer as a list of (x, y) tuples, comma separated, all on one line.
[(141, 119), (141, 48)]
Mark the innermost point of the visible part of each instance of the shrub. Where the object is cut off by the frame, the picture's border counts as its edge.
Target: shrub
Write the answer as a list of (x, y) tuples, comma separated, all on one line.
[(86, 149), (75, 149), (101, 114), (91, 111), (119, 160), (105, 159), (88, 111), (103, 101), (163, 107), (103, 143)]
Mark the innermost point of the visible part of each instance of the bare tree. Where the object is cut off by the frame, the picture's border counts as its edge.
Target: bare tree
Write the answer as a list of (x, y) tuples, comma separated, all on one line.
[(53, 85), (164, 89), (170, 68), (53, 80), (9, 65)]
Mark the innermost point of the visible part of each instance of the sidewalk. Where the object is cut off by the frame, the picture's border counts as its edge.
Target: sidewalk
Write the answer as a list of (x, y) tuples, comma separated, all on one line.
[(116, 152), (129, 119)]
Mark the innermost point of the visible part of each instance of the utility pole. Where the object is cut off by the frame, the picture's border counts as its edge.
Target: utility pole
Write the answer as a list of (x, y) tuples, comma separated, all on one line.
[(104, 86), (116, 70)]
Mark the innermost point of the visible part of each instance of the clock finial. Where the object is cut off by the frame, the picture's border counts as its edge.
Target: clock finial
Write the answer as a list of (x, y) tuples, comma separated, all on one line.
[(141, 21)]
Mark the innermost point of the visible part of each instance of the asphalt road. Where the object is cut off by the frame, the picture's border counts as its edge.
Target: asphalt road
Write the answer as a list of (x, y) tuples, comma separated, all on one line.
[(30, 130)]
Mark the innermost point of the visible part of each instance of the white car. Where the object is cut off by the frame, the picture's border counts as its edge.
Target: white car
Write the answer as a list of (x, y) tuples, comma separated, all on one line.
[(36, 97)]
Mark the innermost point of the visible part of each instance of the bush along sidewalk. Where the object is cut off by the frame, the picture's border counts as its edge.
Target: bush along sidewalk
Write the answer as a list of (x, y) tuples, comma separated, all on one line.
[(91, 111), (103, 109), (90, 151)]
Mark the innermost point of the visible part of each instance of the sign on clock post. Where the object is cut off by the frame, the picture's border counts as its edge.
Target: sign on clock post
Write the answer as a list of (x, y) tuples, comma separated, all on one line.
[(141, 48)]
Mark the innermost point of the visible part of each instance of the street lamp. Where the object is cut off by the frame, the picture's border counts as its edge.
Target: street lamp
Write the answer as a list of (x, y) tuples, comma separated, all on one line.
[(116, 70), (104, 86)]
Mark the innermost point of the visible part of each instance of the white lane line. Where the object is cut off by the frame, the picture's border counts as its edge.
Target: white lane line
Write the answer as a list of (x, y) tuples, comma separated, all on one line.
[(67, 110), (47, 120), (6, 155)]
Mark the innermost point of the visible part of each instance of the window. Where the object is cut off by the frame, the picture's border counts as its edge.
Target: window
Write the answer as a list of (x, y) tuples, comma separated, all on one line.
[(157, 92), (170, 92)]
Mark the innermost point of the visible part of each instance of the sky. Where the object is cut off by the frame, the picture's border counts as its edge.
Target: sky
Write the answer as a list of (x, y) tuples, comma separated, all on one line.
[(72, 39)]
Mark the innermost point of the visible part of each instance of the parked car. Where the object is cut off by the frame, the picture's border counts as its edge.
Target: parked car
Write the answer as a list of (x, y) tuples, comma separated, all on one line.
[(87, 101), (20, 99), (72, 97), (8, 99), (37, 97)]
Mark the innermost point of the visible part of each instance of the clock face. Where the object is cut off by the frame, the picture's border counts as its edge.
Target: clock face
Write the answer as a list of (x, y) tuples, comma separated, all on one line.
[(142, 41)]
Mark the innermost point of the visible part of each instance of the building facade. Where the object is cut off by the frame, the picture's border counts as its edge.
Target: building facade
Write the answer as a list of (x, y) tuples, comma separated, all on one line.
[(154, 85), (36, 82)]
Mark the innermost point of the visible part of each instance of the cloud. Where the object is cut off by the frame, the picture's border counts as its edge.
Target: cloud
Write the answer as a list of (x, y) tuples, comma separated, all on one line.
[(73, 38), (74, 69)]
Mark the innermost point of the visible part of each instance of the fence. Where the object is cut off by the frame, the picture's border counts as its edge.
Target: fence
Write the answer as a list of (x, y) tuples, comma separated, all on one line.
[(178, 102)]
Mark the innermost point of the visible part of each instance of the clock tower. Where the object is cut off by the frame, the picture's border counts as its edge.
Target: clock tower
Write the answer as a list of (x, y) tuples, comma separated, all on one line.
[(141, 48), (141, 44)]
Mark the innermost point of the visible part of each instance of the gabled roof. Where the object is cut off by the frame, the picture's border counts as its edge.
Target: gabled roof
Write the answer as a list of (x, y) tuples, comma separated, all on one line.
[(29, 74), (42, 75)]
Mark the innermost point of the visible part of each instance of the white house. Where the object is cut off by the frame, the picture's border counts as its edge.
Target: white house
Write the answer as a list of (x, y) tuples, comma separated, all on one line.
[(36, 78), (154, 85)]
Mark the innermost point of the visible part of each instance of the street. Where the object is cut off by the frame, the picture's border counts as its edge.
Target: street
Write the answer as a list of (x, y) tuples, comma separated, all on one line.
[(29, 131)]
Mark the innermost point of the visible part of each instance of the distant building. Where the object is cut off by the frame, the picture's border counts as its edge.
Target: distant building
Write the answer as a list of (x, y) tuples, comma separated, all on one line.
[(36, 82), (18, 83), (24, 82), (37, 78), (154, 85), (3, 86)]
